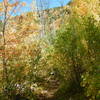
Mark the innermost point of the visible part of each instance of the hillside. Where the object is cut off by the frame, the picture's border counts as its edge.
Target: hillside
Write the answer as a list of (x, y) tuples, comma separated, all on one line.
[(51, 54)]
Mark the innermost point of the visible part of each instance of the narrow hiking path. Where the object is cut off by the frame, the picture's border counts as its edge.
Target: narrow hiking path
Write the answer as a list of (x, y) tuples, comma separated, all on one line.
[(50, 89)]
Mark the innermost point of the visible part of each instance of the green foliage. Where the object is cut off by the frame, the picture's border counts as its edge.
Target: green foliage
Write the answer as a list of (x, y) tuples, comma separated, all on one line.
[(68, 60), (77, 42), (0, 26), (91, 80)]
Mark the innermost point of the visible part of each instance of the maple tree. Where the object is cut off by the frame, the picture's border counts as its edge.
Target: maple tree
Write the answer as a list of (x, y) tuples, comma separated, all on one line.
[(7, 9)]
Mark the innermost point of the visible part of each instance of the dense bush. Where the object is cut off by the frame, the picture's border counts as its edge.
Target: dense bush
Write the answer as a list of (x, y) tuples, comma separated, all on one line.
[(63, 64), (77, 44)]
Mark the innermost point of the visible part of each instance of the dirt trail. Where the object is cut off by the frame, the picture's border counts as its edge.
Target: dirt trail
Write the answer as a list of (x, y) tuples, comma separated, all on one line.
[(49, 93)]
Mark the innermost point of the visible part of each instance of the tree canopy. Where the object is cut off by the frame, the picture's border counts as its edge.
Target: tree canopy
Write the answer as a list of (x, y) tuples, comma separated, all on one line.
[(50, 54)]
